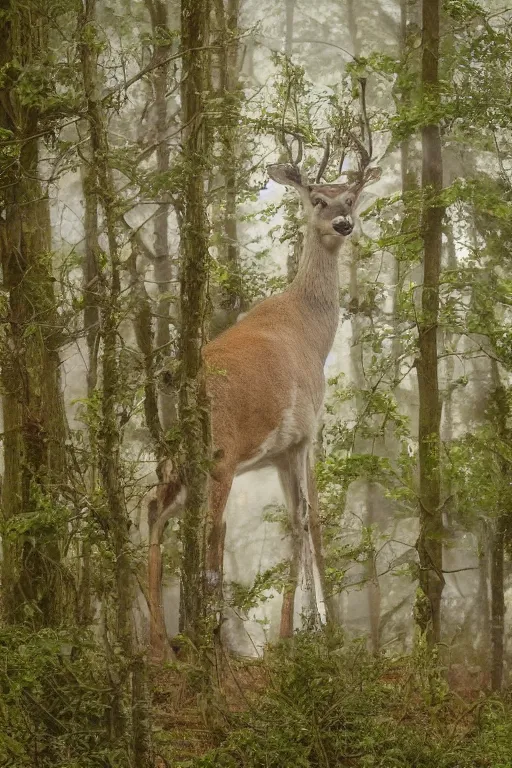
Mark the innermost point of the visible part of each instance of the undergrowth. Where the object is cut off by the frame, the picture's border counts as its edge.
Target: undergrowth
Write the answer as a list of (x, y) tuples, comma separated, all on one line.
[(329, 703), (55, 701)]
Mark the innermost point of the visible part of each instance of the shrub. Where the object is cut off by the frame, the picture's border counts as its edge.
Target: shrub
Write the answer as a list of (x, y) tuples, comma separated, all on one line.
[(329, 703), (55, 699)]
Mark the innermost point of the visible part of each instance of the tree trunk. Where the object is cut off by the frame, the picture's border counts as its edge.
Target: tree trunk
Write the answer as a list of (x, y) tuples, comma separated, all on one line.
[(353, 28), (288, 33), (502, 414), (358, 379), (497, 603), (483, 596), (292, 202), (193, 407), (34, 419), (159, 401), (158, 643), (429, 542), (231, 300), (373, 585), (91, 328), (109, 435), (165, 271), (234, 299), (158, 515), (409, 183)]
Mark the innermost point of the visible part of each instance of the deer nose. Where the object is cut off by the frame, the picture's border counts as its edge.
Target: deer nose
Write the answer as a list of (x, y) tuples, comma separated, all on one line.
[(342, 225)]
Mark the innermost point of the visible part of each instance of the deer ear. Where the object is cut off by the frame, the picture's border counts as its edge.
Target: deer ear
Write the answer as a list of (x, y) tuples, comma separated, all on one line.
[(352, 177), (285, 173), (372, 174)]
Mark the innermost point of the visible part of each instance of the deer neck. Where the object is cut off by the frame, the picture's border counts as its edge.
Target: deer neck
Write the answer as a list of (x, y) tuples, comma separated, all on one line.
[(316, 288)]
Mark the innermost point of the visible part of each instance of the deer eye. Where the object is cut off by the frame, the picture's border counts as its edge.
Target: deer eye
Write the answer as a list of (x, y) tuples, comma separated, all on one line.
[(349, 201), (320, 202)]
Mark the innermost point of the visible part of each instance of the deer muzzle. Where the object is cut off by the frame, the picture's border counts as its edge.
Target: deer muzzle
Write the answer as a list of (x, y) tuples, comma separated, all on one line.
[(342, 225)]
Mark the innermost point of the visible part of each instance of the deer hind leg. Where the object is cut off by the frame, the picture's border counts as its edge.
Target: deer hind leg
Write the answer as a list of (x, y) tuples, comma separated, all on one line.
[(293, 473), (307, 580), (291, 492), (220, 484)]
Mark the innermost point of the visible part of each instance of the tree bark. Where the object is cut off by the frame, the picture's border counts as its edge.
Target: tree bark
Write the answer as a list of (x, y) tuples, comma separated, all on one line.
[(159, 646), (409, 183), (373, 587), (34, 420), (165, 270), (229, 165), (483, 596), (192, 406), (91, 320), (501, 526), (429, 542), (497, 603)]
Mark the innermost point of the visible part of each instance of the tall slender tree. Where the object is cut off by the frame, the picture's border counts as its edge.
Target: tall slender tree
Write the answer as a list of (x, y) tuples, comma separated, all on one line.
[(195, 263), (134, 730), (164, 265), (357, 323), (230, 94), (430, 536), (91, 325), (153, 326)]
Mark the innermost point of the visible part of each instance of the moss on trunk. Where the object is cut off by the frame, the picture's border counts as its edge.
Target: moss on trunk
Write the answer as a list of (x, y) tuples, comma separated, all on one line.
[(195, 261), (34, 578)]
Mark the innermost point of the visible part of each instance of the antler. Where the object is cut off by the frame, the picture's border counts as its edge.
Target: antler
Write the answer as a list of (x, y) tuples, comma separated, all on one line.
[(297, 160), (364, 153), (365, 173), (366, 122), (351, 138), (343, 154), (364, 157), (325, 160)]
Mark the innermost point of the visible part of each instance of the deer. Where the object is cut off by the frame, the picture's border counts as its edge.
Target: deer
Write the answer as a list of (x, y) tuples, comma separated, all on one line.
[(265, 374)]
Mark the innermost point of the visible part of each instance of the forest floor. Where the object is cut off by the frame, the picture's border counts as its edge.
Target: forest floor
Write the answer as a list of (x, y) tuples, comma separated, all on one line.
[(367, 705), (183, 718)]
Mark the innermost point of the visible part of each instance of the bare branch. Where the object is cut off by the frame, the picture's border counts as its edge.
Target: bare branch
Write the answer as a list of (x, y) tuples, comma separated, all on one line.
[(154, 64)]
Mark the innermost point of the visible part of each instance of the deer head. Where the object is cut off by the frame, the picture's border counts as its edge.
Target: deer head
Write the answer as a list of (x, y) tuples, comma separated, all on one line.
[(329, 207)]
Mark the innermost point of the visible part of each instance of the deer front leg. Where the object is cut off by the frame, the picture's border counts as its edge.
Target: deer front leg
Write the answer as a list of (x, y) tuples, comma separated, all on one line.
[(293, 474), (325, 601), (307, 580)]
